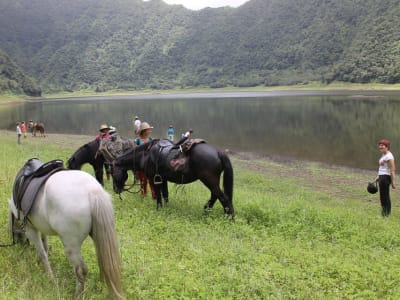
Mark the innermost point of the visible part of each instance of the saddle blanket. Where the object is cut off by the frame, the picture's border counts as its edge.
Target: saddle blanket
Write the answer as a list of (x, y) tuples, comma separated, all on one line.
[(30, 179)]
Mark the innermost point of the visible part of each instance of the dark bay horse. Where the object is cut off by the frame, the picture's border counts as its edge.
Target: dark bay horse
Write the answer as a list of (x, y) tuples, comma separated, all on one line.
[(37, 127), (88, 154), (204, 163)]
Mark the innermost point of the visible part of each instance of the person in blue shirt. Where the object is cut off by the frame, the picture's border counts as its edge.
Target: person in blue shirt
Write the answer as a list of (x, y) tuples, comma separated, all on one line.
[(171, 132)]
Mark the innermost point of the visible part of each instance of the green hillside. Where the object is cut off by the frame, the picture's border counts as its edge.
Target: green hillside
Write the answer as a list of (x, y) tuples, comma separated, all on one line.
[(13, 80), (131, 44)]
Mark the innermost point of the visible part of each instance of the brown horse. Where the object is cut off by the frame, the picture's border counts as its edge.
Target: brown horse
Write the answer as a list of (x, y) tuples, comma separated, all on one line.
[(35, 127)]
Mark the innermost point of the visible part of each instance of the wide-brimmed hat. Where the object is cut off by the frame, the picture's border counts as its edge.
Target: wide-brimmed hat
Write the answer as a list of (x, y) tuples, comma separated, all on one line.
[(103, 127), (144, 126)]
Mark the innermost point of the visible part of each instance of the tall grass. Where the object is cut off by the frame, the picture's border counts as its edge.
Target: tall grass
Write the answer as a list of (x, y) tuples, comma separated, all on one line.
[(289, 239)]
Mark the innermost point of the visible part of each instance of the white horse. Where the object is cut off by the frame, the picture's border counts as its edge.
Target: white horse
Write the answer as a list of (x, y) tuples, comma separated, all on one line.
[(73, 205)]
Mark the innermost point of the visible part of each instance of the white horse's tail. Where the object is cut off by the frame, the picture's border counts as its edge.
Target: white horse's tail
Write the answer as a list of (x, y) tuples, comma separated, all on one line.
[(106, 242)]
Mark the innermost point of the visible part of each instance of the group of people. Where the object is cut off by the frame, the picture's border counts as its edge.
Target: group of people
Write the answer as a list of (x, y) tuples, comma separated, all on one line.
[(143, 131), (385, 178), (21, 129)]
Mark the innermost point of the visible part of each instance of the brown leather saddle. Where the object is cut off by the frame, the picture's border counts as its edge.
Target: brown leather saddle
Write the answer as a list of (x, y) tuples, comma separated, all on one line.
[(171, 156), (29, 180)]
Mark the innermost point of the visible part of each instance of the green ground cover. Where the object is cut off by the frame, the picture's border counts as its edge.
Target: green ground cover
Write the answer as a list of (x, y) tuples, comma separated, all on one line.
[(302, 230)]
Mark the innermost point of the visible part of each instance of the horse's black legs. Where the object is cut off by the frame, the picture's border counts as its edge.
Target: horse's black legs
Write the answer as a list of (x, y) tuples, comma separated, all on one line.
[(164, 191), (161, 190), (217, 193), (210, 202), (157, 189), (99, 174)]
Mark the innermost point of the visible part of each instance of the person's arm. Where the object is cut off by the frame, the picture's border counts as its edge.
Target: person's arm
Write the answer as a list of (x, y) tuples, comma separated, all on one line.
[(392, 169), (185, 137)]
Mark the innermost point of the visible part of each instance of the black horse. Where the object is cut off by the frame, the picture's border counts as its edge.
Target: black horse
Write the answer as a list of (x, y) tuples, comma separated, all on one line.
[(204, 162), (88, 154)]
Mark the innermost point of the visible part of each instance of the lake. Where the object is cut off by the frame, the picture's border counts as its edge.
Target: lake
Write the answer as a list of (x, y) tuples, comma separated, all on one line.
[(338, 127)]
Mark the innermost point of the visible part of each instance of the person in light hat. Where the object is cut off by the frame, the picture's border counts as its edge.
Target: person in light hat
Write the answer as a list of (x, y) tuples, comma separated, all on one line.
[(386, 174), (104, 132), (144, 136), (136, 125)]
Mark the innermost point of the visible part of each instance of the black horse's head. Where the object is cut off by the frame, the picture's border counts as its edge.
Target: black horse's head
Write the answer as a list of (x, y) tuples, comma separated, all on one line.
[(132, 159), (120, 168), (85, 154), (119, 175)]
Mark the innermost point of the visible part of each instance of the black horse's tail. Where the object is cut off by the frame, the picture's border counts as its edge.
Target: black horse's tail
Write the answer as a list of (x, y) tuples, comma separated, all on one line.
[(228, 175)]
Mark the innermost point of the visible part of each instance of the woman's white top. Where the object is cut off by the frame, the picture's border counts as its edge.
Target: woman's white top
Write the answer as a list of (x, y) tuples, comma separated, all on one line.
[(383, 164)]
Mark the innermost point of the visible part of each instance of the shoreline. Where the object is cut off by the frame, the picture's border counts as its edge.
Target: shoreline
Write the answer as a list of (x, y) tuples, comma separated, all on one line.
[(307, 88), (329, 179)]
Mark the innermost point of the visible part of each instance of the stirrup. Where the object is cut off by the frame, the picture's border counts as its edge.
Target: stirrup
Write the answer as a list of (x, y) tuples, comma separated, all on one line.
[(157, 179)]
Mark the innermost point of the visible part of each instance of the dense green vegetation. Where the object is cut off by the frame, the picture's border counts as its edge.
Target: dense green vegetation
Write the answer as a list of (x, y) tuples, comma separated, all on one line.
[(302, 231), (12, 79), (130, 44)]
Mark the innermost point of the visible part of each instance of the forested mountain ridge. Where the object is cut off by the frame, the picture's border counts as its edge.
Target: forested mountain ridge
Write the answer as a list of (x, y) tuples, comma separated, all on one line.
[(13, 80), (102, 44)]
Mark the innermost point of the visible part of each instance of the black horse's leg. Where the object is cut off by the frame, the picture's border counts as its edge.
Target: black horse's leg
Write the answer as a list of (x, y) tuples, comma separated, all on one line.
[(157, 189), (164, 190), (217, 193), (211, 202), (98, 171)]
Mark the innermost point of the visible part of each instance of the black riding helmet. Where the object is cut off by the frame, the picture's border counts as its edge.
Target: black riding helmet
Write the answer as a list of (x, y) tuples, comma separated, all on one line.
[(372, 187)]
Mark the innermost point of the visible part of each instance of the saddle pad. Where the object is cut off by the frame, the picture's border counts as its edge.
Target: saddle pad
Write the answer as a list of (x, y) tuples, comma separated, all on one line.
[(29, 180), (32, 190)]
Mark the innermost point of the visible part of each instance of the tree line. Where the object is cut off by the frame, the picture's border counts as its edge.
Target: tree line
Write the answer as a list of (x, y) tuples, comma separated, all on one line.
[(130, 44)]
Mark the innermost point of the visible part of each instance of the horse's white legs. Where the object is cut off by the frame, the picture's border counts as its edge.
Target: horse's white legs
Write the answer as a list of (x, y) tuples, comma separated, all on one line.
[(75, 258), (45, 242), (34, 236)]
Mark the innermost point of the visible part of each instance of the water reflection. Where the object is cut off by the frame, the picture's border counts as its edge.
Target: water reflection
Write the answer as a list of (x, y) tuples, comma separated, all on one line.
[(341, 128)]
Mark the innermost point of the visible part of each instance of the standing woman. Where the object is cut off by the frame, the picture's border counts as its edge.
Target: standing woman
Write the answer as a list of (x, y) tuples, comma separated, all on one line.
[(386, 174), (144, 136)]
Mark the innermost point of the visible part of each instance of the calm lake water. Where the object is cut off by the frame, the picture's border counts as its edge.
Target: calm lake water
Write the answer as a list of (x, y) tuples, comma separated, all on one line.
[(335, 127)]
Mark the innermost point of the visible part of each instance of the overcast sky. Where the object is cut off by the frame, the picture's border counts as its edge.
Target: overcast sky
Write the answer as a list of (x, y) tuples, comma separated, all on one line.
[(199, 4)]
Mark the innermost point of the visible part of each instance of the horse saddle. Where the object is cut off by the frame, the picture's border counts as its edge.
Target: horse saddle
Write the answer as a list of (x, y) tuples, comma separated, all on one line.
[(29, 180), (175, 157)]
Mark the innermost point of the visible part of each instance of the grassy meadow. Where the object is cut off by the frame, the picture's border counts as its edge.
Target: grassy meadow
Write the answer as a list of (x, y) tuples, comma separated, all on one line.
[(303, 230)]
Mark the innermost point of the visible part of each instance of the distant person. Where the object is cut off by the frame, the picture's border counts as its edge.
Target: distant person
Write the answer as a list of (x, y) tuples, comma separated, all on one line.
[(31, 126), (136, 125), (171, 132), (23, 129), (185, 136), (112, 131), (144, 136), (386, 174), (105, 134), (19, 133)]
